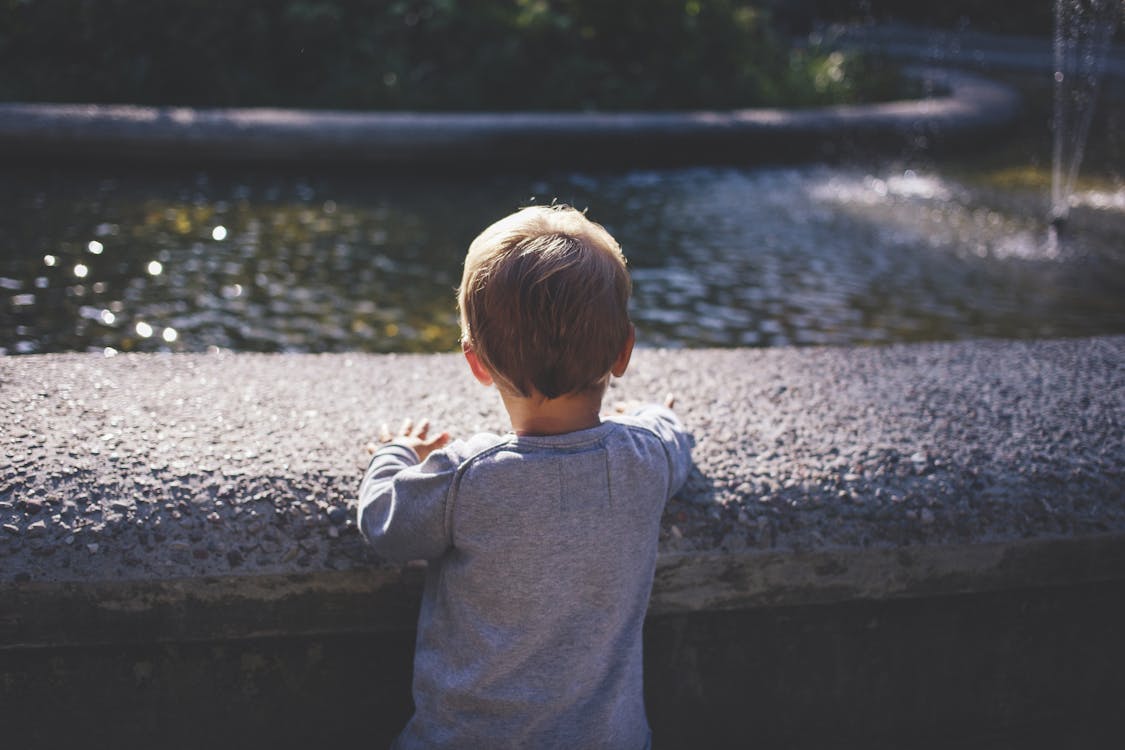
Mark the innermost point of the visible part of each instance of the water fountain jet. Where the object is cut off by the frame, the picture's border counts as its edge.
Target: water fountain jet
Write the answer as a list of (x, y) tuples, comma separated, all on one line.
[(1083, 30)]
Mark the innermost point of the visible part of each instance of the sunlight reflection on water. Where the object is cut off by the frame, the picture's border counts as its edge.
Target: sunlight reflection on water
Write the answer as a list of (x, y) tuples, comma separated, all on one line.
[(724, 257)]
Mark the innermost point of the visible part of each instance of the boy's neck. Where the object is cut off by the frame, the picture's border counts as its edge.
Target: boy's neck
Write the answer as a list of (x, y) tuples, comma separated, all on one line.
[(556, 416)]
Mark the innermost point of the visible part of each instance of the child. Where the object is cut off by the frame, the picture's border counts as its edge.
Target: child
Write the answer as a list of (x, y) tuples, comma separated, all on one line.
[(541, 543)]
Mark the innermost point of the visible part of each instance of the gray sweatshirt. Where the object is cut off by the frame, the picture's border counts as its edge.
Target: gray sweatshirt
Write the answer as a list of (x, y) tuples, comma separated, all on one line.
[(541, 557)]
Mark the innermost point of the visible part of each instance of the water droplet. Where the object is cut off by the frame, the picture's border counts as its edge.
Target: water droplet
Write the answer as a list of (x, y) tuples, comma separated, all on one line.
[(170, 335), (95, 247), (144, 330), (109, 351), (155, 268), (219, 233), (107, 317), (50, 260), (80, 270)]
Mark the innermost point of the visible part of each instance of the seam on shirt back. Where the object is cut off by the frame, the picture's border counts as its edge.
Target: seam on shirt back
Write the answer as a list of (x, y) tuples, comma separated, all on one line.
[(608, 478), (450, 495), (667, 455), (512, 441)]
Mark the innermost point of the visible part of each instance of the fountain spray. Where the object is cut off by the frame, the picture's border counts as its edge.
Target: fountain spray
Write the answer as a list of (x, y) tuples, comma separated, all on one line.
[(1083, 30)]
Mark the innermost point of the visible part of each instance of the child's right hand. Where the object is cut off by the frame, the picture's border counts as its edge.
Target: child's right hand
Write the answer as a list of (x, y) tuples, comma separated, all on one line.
[(628, 407), (413, 436)]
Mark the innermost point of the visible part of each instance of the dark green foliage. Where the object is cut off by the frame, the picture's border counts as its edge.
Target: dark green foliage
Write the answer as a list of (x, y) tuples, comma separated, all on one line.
[(1001, 16), (417, 54)]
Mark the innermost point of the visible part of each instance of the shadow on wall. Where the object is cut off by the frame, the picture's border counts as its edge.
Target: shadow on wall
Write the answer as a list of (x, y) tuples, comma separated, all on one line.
[(1033, 668)]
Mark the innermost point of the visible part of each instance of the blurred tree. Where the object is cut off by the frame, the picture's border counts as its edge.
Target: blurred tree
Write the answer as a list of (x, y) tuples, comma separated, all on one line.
[(419, 54)]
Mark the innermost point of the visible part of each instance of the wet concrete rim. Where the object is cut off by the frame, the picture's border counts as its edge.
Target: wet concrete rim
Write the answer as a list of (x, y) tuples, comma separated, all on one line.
[(963, 104)]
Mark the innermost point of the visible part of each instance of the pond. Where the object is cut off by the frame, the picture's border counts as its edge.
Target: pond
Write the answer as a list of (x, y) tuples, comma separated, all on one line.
[(747, 256)]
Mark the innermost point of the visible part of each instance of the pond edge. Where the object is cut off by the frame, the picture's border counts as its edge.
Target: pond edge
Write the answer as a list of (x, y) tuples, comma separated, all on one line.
[(964, 107)]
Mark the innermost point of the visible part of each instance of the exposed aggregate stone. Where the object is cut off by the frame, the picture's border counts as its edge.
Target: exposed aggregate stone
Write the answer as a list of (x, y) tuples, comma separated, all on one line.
[(167, 466)]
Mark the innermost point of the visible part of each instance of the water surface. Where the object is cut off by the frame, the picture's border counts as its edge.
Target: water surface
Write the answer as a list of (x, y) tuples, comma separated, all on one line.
[(719, 257)]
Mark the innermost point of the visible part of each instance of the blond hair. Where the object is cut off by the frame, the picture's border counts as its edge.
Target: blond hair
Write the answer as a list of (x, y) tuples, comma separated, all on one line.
[(544, 301)]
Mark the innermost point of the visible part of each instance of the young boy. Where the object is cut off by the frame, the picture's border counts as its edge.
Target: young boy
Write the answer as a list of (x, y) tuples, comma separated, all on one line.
[(541, 543)]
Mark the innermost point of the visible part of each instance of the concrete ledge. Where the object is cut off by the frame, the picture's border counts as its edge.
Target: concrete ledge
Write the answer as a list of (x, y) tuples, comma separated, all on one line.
[(382, 600), (969, 106), (153, 498), (905, 546)]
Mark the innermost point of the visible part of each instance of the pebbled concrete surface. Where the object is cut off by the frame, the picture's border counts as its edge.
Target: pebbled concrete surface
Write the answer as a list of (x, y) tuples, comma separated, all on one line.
[(177, 498), (177, 466)]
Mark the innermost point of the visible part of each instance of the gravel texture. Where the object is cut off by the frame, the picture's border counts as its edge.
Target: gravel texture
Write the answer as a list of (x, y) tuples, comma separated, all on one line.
[(170, 466)]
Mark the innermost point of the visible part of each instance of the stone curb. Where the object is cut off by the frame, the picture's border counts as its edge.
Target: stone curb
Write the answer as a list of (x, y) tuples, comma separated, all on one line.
[(186, 497), (387, 600), (975, 50), (973, 106)]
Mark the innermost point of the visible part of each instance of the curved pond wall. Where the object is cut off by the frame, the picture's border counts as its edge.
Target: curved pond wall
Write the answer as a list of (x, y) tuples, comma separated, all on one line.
[(902, 542), (964, 106)]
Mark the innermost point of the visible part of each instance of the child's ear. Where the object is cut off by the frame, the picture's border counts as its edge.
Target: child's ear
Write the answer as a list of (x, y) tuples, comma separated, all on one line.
[(621, 364), (483, 376)]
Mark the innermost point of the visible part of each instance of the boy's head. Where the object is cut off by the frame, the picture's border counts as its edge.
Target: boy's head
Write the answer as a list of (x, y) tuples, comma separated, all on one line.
[(544, 301)]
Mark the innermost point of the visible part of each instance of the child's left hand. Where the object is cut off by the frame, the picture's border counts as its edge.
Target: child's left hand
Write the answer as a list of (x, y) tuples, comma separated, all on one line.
[(414, 436)]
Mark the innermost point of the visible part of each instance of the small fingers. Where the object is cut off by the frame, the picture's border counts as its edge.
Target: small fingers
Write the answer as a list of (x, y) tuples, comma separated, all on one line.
[(437, 441), (410, 430)]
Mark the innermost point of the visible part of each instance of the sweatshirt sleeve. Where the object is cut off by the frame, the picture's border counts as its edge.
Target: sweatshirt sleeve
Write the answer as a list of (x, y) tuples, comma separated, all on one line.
[(402, 504), (677, 441)]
